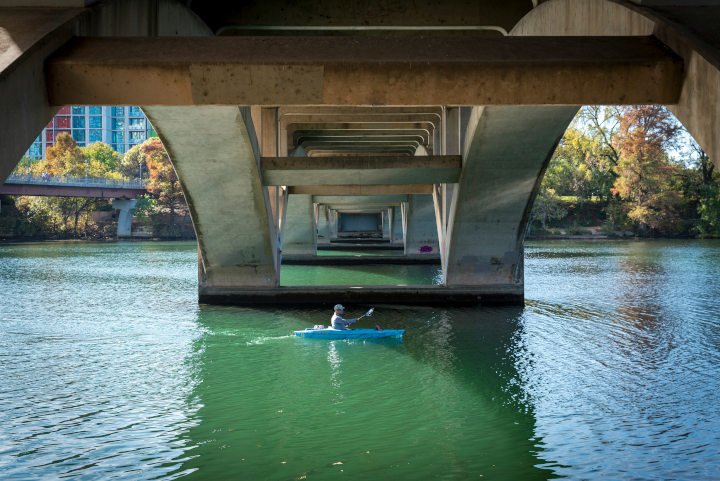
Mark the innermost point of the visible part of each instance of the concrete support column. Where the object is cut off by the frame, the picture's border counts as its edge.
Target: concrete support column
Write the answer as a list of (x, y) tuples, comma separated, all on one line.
[(422, 228), (491, 205), (333, 217), (443, 193), (299, 233), (397, 231), (236, 232), (27, 38), (323, 221), (391, 223), (125, 206)]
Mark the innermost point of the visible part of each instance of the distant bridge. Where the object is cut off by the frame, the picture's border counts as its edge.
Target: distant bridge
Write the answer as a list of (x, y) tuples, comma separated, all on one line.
[(73, 187), (123, 192)]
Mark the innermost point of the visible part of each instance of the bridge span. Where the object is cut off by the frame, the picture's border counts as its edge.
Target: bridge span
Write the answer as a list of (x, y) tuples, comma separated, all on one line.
[(283, 121), (122, 192)]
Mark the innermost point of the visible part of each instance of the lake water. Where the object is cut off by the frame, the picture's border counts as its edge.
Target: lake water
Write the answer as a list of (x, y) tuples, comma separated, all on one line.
[(109, 369)]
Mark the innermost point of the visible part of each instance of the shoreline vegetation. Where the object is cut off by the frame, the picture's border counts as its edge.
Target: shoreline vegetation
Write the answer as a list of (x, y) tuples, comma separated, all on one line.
[(160, 214), (618, 172), (627, 171)]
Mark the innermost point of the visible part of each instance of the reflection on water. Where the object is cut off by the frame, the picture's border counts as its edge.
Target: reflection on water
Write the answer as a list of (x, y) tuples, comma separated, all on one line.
[(109, 369), (310, 408)]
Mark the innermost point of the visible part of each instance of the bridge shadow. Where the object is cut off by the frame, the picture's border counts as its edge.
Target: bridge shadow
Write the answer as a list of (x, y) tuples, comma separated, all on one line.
[(445, 403)]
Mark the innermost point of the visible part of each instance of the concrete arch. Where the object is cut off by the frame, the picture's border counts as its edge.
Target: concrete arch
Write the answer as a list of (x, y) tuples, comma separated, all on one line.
[(678, 27), (234, 247), (490, 206), (30, 35)]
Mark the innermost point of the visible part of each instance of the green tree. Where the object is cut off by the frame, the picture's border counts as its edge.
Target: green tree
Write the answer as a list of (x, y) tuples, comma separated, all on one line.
[(102, 160), (547, 207), (708, 193), (132, 164)]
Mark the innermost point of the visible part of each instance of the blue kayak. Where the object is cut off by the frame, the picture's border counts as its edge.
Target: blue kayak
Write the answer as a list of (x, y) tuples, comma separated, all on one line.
[(330, 333)]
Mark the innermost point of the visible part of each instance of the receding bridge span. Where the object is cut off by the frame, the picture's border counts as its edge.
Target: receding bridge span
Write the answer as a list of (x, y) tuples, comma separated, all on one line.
[(285, 120)]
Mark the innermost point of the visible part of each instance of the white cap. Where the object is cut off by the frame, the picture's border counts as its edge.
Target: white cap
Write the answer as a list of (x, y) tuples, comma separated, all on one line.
[(339, 307)]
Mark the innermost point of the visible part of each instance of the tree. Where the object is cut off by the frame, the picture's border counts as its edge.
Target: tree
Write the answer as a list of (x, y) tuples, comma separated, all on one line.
[(644, 173), (547, 207), (708, 192), (133, 162), (163, 182), (65, 157), (102, 160)]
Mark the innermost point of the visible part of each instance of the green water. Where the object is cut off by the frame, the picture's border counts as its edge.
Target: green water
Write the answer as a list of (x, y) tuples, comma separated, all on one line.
[(110, 370)]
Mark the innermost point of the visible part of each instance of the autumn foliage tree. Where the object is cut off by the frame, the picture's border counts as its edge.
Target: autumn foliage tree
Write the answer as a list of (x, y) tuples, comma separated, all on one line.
[(644, 171), (163, 182)]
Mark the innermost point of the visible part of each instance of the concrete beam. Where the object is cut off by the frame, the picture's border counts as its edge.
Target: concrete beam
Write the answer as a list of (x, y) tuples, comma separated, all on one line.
[(354, 189), (359, 199), (364, 71), (369, 170)]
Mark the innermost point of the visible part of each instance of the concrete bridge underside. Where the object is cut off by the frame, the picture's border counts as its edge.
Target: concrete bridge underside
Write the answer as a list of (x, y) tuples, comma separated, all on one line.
[(283, 117)]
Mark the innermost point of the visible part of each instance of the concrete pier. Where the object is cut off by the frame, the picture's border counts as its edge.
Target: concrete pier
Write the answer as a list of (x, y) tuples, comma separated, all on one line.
[(125, 206)]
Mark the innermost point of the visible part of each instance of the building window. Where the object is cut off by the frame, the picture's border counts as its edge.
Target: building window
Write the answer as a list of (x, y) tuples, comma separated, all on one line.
[(135, 111), (95, 110), (118, 111), (136, 137), (78, 110), (64, 110), (118, 124), (79, 135), (118, 137), (62, 122), (119, 148), (136, 124), (78, 122), (95, 122), (95, 135)]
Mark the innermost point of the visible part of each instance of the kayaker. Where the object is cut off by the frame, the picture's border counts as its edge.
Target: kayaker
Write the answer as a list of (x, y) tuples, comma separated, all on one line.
[(337, 320)]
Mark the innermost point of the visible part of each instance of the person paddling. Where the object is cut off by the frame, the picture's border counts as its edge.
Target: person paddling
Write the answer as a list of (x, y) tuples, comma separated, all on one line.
[(337, 320)]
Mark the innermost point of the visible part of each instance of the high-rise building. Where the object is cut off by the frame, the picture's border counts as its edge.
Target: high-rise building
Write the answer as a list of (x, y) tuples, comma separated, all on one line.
[(120, 126)]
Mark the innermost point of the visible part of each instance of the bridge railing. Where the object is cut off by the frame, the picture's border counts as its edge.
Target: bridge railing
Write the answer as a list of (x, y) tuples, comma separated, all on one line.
[(76, 181)]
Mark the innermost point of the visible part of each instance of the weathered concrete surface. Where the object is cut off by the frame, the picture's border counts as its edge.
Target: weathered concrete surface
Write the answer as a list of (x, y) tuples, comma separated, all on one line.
[(27, 38), (299, 233), (221, 180), (691, 31), (369, 170), (364, 71), (491, 204), (371, 295), (421, 227)]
